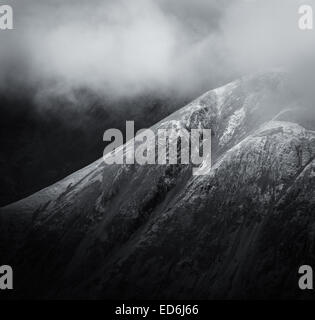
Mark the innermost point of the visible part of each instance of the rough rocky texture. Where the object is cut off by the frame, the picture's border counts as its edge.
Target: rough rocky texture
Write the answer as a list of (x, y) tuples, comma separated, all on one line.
[(159, 232)]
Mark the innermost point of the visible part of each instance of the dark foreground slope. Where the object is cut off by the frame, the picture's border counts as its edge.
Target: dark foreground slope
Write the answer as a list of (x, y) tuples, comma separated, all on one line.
[(158, 232)]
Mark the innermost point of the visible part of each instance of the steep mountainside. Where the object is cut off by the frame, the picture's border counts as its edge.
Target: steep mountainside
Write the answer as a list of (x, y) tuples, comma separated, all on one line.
[(157, 231)]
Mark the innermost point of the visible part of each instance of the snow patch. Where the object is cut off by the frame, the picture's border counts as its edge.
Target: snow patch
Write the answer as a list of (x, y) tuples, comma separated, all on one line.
[(235, 121)]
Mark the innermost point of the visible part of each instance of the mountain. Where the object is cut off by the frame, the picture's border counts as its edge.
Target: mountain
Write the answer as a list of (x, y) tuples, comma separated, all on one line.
[(157, 231)]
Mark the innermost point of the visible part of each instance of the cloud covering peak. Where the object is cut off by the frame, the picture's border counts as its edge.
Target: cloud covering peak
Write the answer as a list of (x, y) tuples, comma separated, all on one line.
[(127, 47)]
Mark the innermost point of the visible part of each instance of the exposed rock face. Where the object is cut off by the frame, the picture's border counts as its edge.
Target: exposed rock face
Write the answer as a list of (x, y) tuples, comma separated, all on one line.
[(158, 232)]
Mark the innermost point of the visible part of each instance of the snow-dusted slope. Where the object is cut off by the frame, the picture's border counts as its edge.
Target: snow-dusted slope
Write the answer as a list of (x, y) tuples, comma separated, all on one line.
[(159, 232)]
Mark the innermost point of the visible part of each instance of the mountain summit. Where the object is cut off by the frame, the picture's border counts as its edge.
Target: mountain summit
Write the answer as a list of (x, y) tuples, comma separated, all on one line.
[(157, 231)]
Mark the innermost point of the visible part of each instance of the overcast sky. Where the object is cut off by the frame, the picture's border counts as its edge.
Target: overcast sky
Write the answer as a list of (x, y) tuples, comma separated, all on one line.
[(128, 47)]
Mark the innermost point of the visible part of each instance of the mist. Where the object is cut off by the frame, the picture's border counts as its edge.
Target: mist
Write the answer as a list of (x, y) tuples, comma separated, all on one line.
[(126, 48)]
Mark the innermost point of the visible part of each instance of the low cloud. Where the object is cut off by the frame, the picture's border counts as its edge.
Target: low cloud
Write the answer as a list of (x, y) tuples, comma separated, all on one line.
[(123, 48)]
